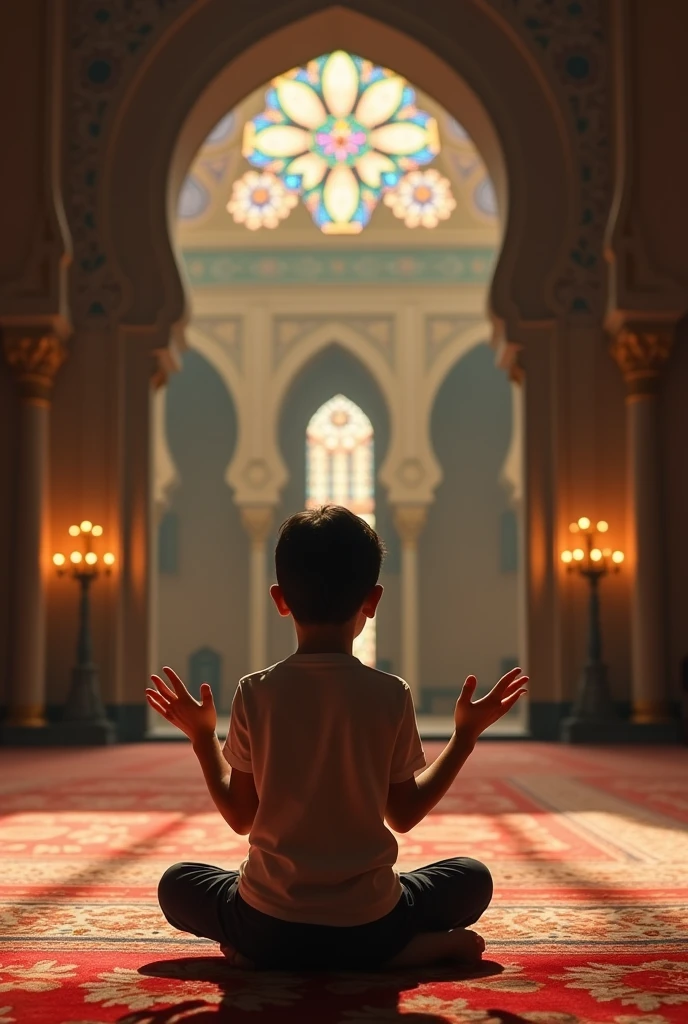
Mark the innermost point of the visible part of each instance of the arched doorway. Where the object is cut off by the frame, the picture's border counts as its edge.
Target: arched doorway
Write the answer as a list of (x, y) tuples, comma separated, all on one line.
[(522, 293)]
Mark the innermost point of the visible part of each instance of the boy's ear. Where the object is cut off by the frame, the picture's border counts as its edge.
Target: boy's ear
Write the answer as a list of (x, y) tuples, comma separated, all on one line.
[(278, 598), (372, 601)]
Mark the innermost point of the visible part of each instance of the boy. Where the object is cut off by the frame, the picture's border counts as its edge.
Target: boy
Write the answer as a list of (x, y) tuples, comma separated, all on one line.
[(321, 749)]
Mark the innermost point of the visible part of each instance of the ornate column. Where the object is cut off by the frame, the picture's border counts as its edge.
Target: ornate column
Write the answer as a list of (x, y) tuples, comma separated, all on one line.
[(257, 520), (409, 521), (35, 354), (641, 350)]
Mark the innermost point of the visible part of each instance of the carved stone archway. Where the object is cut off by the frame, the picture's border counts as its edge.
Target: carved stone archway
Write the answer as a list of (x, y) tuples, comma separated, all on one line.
[(162, 117)]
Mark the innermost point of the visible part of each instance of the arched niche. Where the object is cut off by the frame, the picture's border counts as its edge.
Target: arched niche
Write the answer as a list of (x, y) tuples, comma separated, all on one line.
[(469, 588), (200, 592), (472, 63)]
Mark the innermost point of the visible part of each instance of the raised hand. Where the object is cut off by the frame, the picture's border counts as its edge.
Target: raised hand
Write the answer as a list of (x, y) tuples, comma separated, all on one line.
[(473, 717), (176, 705)]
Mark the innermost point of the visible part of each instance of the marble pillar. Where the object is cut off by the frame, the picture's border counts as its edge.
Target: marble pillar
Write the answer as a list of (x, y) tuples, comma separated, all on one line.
[(257, 521), (641, 352), (35, 354), (409, 521)]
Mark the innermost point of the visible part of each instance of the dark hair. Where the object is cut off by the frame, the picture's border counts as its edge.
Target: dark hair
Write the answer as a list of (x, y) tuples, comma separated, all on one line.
[(327, 561)]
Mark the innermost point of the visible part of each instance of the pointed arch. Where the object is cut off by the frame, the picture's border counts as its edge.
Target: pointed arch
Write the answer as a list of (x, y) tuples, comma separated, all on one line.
[(340, 469)]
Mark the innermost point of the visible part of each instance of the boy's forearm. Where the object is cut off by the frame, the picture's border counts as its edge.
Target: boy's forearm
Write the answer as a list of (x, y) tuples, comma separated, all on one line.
[(216, 772), (434, 782)]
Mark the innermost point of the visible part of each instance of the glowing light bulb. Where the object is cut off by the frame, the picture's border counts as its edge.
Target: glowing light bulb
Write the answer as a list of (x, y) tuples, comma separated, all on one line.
[(574, 527), (74, 531), (91, 557), (618, 557), (566, 556), (583, 523), (602, 526), (86, 526), (75, 557), (59, 559), (596, 554), (97, 531), (109, 558), (578, 554)]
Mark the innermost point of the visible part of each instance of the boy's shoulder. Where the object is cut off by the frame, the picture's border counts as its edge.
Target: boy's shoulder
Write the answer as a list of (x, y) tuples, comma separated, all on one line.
[(251, 678), (392, 681)]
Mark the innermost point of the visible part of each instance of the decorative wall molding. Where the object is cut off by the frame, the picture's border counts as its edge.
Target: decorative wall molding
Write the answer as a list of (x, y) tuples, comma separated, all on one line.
[(570, 40), (108, 42), (441, 330), (228, 331), (207, 268), (289, 331)]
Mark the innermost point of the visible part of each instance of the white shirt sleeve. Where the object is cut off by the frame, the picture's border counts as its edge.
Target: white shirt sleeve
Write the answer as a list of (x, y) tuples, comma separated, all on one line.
[(408, 755), (237, 748)]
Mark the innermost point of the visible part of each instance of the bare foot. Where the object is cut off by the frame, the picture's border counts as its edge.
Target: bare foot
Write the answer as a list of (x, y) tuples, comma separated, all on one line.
[(237, 959), (461, 945)]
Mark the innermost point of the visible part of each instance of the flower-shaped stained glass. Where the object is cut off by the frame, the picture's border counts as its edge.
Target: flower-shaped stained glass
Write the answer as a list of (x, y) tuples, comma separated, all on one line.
[(340, 132), (340, 470), (421, 198), (260, 200)]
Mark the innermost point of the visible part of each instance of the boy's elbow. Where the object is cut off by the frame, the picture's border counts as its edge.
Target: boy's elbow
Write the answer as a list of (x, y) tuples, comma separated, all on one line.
[(399, 827)]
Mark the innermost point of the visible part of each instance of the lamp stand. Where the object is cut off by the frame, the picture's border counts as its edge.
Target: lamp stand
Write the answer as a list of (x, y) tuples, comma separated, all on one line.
[(84, 719), (594, 718)]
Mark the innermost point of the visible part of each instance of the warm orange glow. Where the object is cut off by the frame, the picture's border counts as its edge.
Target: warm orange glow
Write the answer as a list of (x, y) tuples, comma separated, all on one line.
[(602, 526), (86, 526), (618, 557), (109, 558), (75, 557), (574, 527), (583, 522), (59, 559), (97, 531), (566, 556), (91, 557), (74, 531), (606, 552), (578, 554), (596, 554)]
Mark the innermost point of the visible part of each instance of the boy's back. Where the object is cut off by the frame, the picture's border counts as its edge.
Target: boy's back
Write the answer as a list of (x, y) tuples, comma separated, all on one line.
[(321, 749), (323, 735)]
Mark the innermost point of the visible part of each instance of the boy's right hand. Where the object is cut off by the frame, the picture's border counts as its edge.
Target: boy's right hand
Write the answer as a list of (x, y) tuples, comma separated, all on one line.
[(473, 717)]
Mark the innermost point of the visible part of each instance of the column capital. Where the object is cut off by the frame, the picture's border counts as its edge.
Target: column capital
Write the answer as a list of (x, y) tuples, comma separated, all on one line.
[(410, 521), (257, 521), (35, 353), (641, 350)]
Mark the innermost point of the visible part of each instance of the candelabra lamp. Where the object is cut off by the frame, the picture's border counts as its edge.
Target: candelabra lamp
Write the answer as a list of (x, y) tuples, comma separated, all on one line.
[(593, 716), (85, 721)]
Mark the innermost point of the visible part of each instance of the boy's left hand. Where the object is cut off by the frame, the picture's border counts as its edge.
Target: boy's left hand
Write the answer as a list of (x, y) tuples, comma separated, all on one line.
[(176, 705)]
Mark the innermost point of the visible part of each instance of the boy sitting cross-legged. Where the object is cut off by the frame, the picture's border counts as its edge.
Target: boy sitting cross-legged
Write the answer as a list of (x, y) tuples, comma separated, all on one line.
[(321, 751)]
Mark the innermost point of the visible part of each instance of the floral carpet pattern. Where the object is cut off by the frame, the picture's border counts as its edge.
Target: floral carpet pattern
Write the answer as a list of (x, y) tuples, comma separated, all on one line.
[(589, 924)]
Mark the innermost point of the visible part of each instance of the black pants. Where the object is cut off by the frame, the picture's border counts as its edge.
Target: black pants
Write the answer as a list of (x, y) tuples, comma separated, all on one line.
[(204, 901)]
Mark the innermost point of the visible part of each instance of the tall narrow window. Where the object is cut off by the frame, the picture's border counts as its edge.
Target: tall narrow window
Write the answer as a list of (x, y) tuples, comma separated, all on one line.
[(340, 470)]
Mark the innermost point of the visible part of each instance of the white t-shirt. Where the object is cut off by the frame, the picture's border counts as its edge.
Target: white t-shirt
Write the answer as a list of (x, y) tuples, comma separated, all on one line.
[(324, 736)]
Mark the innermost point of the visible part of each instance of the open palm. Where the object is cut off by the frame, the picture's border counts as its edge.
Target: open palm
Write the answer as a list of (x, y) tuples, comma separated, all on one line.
[(473, 717), (176, 705)]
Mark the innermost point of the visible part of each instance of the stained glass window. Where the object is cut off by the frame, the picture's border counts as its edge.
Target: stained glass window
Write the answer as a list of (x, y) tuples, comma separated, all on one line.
[(340, 469), (340, 133)]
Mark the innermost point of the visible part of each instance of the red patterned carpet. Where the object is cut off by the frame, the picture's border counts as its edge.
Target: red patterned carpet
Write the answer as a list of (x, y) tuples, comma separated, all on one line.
[(588, 848)]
